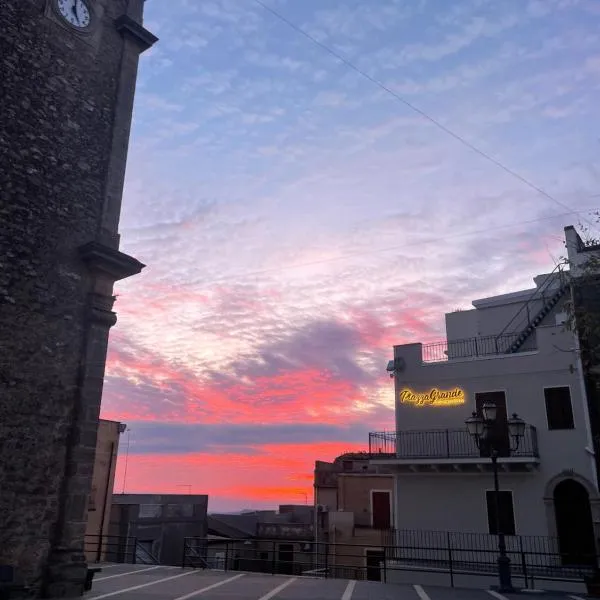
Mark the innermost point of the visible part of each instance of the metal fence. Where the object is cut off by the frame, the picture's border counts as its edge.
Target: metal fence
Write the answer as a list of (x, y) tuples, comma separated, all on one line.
[(474, 347), (117, 549), (533, 558), (442, 443)]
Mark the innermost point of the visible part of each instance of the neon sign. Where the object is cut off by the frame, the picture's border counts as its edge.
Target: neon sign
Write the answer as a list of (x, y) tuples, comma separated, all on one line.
[(434, 397)]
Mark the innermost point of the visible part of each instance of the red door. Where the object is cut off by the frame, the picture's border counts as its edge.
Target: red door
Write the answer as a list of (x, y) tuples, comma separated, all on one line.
[(382, 510)]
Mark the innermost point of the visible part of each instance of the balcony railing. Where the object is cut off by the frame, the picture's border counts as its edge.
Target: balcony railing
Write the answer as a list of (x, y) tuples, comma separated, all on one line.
[(444, 443), (475, 347), (296, 531)]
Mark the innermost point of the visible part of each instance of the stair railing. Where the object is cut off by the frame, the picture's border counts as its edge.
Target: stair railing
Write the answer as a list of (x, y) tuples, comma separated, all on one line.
[(536, 295)]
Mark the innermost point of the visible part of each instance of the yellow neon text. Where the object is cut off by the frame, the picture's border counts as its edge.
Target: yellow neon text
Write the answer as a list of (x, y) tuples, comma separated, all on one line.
[(433, 397)]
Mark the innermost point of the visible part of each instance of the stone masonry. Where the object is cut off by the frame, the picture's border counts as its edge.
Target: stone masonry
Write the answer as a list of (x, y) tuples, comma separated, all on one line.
[(66, 98)]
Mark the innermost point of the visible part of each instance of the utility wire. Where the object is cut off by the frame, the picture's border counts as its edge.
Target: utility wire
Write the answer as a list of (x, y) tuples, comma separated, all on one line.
[(414, 108)]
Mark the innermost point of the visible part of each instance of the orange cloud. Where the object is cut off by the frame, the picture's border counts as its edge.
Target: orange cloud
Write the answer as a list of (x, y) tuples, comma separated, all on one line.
[(277, 473)]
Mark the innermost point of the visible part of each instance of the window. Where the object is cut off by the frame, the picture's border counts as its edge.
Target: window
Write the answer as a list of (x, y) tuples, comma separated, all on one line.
[(150, 511), (558, 408), (507, 514), (347, 465), (180, 511)]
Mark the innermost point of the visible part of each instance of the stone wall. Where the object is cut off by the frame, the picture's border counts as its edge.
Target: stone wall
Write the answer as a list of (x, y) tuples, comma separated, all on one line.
[(56, 131)]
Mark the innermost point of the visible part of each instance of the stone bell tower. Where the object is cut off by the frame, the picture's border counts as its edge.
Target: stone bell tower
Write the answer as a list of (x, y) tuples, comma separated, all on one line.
[(68, 71)]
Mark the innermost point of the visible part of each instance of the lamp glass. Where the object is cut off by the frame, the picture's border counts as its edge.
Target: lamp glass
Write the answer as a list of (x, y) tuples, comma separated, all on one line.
[(475, 425), (516, 426), (490, 411)]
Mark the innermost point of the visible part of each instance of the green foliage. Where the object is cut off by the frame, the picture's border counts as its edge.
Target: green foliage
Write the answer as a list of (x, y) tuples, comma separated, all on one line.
[(583, 308)]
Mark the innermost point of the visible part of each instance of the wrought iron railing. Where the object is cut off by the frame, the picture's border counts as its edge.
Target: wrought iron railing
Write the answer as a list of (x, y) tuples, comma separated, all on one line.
[(444, 552), (444, 443), (474, 347), (111, 548), (532, 556), (524, 316)]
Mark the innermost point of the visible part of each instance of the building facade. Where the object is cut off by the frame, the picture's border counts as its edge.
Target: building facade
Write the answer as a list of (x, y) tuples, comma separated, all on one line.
[(103, 482), (264, 541), (515, 352), (154, 526), (68, 80), (355, 502)]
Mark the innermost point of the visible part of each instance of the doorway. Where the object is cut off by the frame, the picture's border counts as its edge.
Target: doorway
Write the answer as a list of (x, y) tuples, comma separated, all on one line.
[(381, 503), (574, 524), (499, 435), (286, 559), (374, 559)]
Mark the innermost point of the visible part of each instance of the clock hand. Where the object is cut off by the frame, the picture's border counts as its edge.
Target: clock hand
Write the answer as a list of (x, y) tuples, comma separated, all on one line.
[(75, 11)]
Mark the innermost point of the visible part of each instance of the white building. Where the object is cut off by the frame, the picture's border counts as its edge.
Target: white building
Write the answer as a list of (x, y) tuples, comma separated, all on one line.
[(512, 350)]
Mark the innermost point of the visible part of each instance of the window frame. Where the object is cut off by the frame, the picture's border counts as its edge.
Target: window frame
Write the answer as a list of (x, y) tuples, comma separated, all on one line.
[(514, 516), (553, 387)]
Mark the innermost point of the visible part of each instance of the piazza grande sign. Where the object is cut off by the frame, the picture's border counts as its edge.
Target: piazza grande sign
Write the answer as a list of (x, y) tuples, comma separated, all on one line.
[(433, 397)]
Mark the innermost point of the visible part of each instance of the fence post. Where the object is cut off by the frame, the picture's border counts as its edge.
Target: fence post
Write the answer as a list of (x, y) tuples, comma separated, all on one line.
[(273, 559), (384, 564), (134, 559), (327, 559), (447, 444), (226, 565), (450, 565), (523, 562), (183, 558)]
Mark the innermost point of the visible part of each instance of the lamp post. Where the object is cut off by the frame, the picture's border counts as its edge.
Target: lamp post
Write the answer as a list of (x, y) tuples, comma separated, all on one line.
[(481, 428)]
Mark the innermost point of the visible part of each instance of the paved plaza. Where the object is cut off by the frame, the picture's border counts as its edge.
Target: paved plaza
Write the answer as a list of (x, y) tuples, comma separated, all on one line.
[(143, 582)]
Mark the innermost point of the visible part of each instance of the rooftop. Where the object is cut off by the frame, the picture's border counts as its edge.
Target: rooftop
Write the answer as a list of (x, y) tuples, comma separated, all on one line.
[(140, 582)]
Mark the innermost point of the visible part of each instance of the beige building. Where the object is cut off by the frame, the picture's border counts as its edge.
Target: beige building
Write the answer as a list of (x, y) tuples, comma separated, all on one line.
[(355, 513), (103, 480)]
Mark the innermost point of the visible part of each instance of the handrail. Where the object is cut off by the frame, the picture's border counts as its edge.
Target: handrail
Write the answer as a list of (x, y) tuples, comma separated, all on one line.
[(538, 291), (145, 554), (445, 443)]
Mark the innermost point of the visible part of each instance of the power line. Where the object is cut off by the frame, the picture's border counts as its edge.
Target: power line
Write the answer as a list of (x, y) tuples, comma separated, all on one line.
[(414, 108)]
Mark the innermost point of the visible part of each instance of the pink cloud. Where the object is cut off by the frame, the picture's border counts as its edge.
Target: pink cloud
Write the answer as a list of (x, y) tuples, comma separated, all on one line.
[(285, 473)]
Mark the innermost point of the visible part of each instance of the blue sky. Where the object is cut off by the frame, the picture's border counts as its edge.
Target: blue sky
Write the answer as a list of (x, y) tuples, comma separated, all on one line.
[(297, 219)]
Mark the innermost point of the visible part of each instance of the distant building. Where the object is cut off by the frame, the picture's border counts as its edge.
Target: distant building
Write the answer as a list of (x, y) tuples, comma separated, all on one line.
[(514, 352), (154, 526), (103, 480), (263, 541), (355, 513)]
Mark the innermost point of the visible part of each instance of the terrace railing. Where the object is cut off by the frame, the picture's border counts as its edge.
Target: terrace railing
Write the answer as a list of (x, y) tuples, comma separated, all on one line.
[(475, 347), (441, 443)]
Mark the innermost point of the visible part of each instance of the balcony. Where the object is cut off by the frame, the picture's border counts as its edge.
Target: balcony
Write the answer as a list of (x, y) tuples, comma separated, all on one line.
[(448, 450), (285, 531), (477, 347)]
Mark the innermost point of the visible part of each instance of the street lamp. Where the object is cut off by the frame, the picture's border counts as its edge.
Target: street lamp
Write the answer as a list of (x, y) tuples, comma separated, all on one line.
[(481, 428)]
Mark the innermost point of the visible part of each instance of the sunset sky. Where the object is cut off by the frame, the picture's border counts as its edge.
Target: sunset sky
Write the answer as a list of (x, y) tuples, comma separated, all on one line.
[(298, 220)]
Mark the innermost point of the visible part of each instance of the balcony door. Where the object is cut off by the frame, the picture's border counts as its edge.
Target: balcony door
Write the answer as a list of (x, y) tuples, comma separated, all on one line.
[(381, 502), (499, 434)]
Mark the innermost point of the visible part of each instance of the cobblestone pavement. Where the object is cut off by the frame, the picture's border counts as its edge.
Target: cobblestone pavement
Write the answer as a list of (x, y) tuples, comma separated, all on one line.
[(143, 582)]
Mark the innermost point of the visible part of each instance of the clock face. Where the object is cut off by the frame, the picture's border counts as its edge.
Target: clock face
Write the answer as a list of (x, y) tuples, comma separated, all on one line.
[(75, 12)]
